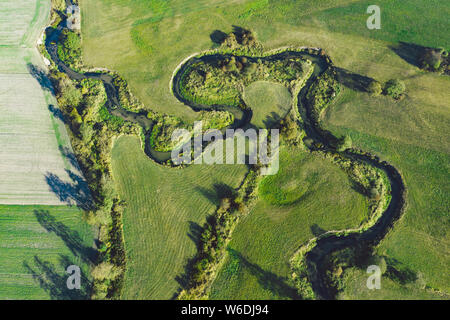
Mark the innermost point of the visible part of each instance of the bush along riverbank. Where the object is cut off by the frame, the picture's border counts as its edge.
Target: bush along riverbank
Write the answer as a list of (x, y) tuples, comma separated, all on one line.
[(92, 129)]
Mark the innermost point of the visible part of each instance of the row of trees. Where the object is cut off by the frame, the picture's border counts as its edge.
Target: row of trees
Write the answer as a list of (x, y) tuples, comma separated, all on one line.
[(394, 88), (92, 128)]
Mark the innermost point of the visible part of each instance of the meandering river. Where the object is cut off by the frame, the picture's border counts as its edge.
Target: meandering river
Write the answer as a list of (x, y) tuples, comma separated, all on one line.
[(314, 258)]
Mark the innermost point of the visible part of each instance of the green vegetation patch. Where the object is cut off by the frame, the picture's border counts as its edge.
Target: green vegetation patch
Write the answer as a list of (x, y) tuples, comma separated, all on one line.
[(69, 48), (161, 137), (222, 81), (289, 184)]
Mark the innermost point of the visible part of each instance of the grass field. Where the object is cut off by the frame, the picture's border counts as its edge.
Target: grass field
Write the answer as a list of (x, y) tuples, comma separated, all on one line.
[(269, 102), (146, 40), (165, 210), (37, 244), (413, 135), (307, 197)]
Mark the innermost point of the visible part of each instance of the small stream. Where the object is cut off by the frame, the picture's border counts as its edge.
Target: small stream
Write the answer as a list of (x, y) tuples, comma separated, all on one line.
[(314, 258)]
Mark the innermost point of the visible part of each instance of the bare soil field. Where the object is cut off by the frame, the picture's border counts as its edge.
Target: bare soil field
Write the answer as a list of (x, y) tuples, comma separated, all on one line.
[(35, 151)]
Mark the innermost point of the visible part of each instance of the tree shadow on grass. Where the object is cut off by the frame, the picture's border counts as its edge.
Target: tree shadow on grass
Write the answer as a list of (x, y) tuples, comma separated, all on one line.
[(358, 187), (409, 52), (41, 76), (69, 155), (57, 113), (71, 238), (268, 280), (219, 191), (195, 232), (353, 80), (54, 282), (272, 120), (217, 37), (73, 193), (316, 230), (399, 273)]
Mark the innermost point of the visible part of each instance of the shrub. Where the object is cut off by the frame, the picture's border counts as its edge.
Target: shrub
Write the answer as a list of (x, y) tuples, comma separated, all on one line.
[(69, 49), (374, 194), (394, 88), (344, 143), (322, 92), (68, 94), (105, 271), (433, 58), (100, 290), (374, 88), (289, 129)]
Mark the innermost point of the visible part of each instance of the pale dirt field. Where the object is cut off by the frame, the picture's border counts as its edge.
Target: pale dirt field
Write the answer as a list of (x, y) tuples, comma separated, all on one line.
[(31, 137)]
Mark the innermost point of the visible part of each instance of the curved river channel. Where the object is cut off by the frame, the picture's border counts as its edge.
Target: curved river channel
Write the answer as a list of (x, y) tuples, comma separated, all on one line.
[(315, 258)]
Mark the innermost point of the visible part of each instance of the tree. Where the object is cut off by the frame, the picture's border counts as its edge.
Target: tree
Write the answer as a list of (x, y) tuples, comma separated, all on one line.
[(69, 95), (289, 128), (87, 132), (231, 41), (374, 194), (432, 58), (75, 116), (72, 41), (374, 88), (344, 143), (394, 88), (105, 271)]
